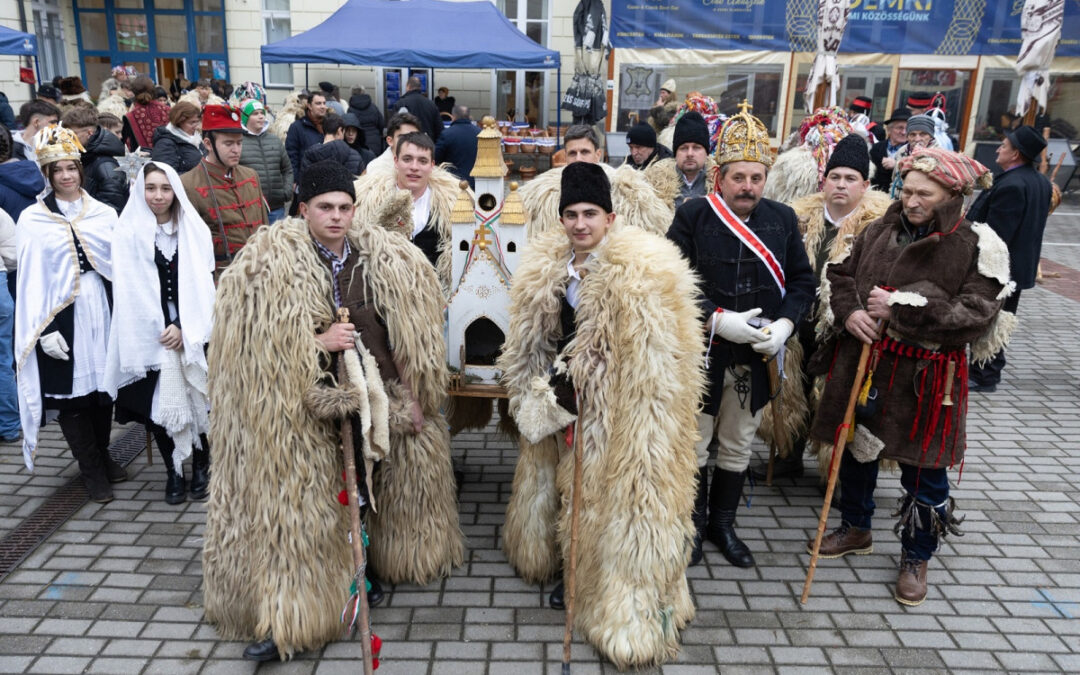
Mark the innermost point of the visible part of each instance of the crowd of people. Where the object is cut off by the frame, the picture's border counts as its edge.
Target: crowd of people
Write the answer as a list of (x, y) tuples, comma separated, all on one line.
[(658, 312)]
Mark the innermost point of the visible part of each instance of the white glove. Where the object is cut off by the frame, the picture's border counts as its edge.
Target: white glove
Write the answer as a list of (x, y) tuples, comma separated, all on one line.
[(734, 326), (54, 345), (777, 334)]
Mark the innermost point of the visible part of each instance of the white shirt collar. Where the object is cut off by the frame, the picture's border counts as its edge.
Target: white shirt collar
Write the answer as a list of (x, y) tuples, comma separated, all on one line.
[(421, 211)]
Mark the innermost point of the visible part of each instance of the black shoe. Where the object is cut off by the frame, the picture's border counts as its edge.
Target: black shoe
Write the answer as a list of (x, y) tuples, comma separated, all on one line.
[(175, 488), (265, 650), (200, 474), (700, 515), (375, 596), (724, 495), (783, 467), (555, 600), (984, 388), (114, 470)]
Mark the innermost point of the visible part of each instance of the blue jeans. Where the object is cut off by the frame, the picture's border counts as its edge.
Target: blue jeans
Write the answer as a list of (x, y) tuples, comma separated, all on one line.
[(929, 487), (276, 215), (10, 426)]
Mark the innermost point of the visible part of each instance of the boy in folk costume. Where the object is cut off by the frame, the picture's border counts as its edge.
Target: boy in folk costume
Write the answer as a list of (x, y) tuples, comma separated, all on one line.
[(754, 271), (277, 560), (606, 310), (64, 247), (829, 222), (920, 286)]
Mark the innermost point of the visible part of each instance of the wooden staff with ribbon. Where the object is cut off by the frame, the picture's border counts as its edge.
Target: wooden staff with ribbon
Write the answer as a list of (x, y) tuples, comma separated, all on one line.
[(359, 601), (775, 391)]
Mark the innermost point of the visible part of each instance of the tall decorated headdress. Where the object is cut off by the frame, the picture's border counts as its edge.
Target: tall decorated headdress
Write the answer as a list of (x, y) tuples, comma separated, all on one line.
[(744, 138), (56, 143)]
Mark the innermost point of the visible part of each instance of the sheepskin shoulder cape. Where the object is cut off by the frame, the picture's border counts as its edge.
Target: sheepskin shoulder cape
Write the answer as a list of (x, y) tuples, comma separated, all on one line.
[(636, 360), (375, 190), (810, 211), (794, 174), (276, 558), (635, 200), (664, 176)]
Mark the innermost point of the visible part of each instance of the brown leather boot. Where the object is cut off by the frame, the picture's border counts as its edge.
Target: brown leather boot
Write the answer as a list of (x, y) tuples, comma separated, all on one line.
[(911, 584), (843, 540)]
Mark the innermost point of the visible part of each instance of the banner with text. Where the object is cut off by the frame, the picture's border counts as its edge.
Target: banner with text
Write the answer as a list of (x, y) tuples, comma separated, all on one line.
[(947, 27)]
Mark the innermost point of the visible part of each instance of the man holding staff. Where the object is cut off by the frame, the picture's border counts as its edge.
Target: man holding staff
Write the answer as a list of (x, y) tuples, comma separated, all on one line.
[(920, 286)]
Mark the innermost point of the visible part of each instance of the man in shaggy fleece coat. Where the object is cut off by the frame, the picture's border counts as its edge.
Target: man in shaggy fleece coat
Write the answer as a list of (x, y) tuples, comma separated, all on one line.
[(611, 309), (920, 286), (276, 559)]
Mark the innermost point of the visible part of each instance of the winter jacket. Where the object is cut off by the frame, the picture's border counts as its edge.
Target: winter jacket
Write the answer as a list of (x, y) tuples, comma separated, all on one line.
[(103, 181), (371, 121), (302, 135), (266, 154), (425, 111), (338, 151), (20, 183), (7, 115), (175, 151), (457, 145)]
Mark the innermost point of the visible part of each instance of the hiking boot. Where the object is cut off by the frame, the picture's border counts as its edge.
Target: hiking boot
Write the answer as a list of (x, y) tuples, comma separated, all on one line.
[(843, 540), (911, 583)]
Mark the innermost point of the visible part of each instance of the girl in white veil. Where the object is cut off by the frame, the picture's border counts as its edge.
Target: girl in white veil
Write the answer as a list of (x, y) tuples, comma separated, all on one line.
[(163, 299)]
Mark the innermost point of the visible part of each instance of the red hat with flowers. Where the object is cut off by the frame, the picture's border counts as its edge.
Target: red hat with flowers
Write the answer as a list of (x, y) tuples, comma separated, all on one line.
[(221, 118)]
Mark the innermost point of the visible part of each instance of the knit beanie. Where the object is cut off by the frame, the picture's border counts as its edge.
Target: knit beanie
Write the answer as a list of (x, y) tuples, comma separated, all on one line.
[(851, 153), (641, 134), (325, 176), (921, 123), (248, 107), (691, 128), (583, 182)]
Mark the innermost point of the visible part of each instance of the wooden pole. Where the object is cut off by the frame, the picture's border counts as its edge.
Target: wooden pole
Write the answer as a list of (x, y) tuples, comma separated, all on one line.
[(834, 467), (775, 385), (575, 517), (355, 526)]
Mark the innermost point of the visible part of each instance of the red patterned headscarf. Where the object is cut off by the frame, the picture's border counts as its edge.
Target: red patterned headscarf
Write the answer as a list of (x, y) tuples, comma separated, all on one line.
[(958, 173)]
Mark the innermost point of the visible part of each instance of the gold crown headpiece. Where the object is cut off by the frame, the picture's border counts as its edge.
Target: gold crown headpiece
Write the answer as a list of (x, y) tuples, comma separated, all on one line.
[(56, 143), (744, 138)]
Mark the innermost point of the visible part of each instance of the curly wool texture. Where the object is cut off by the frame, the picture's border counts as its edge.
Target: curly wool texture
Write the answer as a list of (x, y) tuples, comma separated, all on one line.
[(636, 361), (634, 199), (794, 174), (664, 176), (291, 109), (795, 414), (113, 104), (377, 194)]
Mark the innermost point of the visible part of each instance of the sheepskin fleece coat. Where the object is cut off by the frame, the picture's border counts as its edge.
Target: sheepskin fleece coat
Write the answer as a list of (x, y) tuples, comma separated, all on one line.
[(664, 176), (636, 361), (810, 212), (376, 189), (950, 285), (633, 198), (276, 558)]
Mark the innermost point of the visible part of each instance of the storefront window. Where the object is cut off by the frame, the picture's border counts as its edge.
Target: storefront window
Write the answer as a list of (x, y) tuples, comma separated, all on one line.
[(954, 84), (997, 105), (171, 32), (131, 33), (639, 89), (95, 35), (277, 25)]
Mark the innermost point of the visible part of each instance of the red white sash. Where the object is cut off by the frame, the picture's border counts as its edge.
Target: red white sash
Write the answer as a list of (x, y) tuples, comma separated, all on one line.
[(747, 236)]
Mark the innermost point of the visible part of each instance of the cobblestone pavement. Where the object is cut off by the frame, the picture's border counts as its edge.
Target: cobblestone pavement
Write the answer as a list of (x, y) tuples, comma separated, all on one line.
[(116, 588)]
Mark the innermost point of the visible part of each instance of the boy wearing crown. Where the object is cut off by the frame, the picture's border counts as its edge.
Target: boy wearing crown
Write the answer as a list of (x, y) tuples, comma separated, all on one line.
[(756, 286)]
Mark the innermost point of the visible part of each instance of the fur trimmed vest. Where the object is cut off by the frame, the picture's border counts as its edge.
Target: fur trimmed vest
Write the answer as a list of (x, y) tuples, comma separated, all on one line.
[(664, 176), (633, 197), (276, 557), (950, 286), (636, 360)]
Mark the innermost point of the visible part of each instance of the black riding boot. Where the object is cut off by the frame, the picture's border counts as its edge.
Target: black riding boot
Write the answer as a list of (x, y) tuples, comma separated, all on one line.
[(701, 514), (102, 416), (723, 500), (78, 429), (200, 469), (175, 485)]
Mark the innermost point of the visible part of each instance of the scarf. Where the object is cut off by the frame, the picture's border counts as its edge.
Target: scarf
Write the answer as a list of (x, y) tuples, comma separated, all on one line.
[(180, 400), (195, 139), (144, 119)]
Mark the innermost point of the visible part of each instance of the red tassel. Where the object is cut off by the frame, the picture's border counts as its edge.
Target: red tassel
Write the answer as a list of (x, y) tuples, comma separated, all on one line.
[(343, 498)]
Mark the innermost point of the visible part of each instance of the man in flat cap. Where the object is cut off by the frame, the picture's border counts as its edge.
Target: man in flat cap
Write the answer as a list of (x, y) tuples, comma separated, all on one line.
[(1016, 207)]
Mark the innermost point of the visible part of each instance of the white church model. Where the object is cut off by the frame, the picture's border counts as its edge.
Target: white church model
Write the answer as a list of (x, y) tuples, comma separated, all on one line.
[(487, 238)]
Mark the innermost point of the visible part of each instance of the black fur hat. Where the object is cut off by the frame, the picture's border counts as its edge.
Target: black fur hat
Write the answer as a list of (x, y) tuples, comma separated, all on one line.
[(585, 182), (325, 176), (691, 128), (850, 153)]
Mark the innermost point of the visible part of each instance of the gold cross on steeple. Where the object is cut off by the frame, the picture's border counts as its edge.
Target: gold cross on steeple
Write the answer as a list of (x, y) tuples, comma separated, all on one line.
[(480, 238), (745, 107)]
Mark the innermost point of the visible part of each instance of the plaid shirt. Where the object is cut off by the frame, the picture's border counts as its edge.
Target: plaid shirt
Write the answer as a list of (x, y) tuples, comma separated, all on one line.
[(336, 265)]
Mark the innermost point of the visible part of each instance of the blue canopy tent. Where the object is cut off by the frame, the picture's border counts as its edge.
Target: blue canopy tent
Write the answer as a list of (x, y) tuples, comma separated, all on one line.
[(416, 34), (19, 43)]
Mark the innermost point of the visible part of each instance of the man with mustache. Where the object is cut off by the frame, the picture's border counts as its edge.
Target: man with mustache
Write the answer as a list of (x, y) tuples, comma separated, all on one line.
[(757, 285)]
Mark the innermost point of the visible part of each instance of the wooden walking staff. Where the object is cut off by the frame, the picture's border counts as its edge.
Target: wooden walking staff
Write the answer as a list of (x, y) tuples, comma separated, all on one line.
[(355, 526), (575, 514), (834, 466), (777, 423)]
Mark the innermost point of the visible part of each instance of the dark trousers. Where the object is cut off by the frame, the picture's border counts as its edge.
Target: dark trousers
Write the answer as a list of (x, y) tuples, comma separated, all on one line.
[(990, 373), (165, 443), (929, 488)]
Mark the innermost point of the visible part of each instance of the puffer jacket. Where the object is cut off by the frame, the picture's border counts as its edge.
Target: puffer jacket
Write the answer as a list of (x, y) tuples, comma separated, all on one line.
[(266, 154), (338, 151), (20, 183), (175, 151), (371, 122), (103, 181)]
